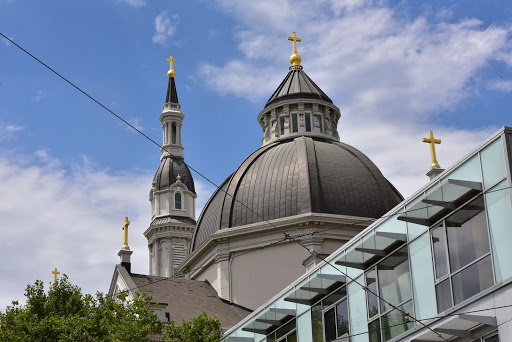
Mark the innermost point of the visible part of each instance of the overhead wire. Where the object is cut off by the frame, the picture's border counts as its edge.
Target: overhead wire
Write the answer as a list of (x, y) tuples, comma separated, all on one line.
[(287, 236)]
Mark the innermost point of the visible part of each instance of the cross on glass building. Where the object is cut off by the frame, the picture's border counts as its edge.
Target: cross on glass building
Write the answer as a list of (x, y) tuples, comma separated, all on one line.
[(437, 267)]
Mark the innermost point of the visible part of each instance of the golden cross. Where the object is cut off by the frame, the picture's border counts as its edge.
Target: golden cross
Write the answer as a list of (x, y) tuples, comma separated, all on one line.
[(432, 143), (294, 39), (125, 228), (171, 72), (54, 272)]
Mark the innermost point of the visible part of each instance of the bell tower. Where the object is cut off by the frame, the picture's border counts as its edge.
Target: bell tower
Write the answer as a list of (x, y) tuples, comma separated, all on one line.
[(172, 194)]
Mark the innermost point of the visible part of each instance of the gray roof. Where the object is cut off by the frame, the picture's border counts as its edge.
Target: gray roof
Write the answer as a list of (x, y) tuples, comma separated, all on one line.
[(172, 219), (297, 85), (298, 176), (169, 169), (172, 94), (188, 298)]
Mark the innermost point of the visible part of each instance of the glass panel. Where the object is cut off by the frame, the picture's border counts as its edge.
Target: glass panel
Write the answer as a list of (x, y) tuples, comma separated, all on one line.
[(422, 277), (394, 281), (330, 325), (440, 253), (292, 337), (500, 215), (494, 338), (357, 310), (271, 337), (285, 329), (444, 296), (493, 163), (317, 323), (467, 234), (294, 123), (395, 322), (470, 171), (282, 124), (373, 301), (177, 201), (342, 318), (308, 122), (472, 280), (336, 296), (374, 331), (304, 331)]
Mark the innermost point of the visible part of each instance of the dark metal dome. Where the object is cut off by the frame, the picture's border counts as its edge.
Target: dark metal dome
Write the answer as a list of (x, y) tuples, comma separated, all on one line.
[(292, 177), (297, 85), (169, 169)]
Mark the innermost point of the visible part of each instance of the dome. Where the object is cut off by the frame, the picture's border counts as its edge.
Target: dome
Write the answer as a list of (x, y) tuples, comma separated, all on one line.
[(298, 176), (169, 169)]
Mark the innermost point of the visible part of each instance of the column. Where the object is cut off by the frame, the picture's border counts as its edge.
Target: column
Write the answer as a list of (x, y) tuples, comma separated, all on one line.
[(150, 247), (178, 132), (156, 243)]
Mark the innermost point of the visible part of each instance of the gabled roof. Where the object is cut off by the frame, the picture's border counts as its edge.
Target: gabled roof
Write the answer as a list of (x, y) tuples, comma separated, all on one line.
[(297, 85)]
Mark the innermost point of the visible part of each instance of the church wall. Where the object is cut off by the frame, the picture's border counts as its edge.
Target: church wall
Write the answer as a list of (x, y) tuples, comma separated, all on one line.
[(258, 276), (331, 245), (210, 274)]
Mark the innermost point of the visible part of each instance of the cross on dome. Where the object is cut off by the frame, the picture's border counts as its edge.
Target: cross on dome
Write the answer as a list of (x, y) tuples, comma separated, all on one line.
[(55, 272), (295, 58)]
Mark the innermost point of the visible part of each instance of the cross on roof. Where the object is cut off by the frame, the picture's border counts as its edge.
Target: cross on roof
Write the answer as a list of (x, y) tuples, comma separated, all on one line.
[(432, 143), (125, 228), (55, 272), (171, 72), (294, 39)]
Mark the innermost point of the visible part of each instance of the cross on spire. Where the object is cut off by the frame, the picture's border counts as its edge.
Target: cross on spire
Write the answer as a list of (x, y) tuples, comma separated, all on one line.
[(171, 72), (125, 228), (295, 58), (432, 143), (55, 272)]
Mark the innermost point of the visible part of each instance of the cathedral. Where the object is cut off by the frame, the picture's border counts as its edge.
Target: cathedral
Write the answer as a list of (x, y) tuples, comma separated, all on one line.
[(302, 181)]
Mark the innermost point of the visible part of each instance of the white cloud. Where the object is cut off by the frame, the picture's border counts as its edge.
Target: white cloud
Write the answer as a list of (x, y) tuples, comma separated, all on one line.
[(40, 95), (165, 26), (134, 3), (390, 74), (13, 128), (70, 217), (500, 85), (135, 122)]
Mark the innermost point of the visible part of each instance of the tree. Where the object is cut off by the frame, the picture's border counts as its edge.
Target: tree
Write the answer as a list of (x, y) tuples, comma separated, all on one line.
[(199, 329), (65, 314)]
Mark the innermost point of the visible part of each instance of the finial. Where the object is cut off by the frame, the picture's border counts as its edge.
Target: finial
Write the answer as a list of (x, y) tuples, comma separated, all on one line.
[(171, 72), (178, 178), (432, 143), (295, 58), (55, 272), (125, 228)]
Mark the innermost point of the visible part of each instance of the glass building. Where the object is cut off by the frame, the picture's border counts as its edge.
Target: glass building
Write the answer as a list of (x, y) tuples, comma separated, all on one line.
[(437, 267)]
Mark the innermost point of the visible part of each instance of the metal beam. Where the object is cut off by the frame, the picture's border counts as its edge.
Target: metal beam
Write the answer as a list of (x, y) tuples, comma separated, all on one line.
[(240, 339), (373, 251), (315, 289), (358, 265), (268, 321), (487, 320), (394, 236), (466, 184), (415, 220), (288, 312), (447, 205), (334, 277), (454, 332), (254, 330), (299, 301)]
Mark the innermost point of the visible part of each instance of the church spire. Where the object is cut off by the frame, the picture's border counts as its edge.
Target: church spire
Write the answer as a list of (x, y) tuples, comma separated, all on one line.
[(172, 117)]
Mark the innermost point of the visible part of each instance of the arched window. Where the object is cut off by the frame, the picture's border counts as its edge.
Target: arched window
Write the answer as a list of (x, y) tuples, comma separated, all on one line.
[(177, 200)]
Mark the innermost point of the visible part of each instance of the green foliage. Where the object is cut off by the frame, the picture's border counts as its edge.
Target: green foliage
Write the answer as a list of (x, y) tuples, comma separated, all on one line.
[(65, 314), (199, 329)]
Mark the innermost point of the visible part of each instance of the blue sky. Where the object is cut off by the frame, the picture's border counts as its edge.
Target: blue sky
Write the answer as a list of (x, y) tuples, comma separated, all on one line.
[(70, 172)]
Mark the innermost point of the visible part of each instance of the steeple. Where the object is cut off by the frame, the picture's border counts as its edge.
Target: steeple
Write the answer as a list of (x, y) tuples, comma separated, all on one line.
[(172, 194), (172, 117)]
